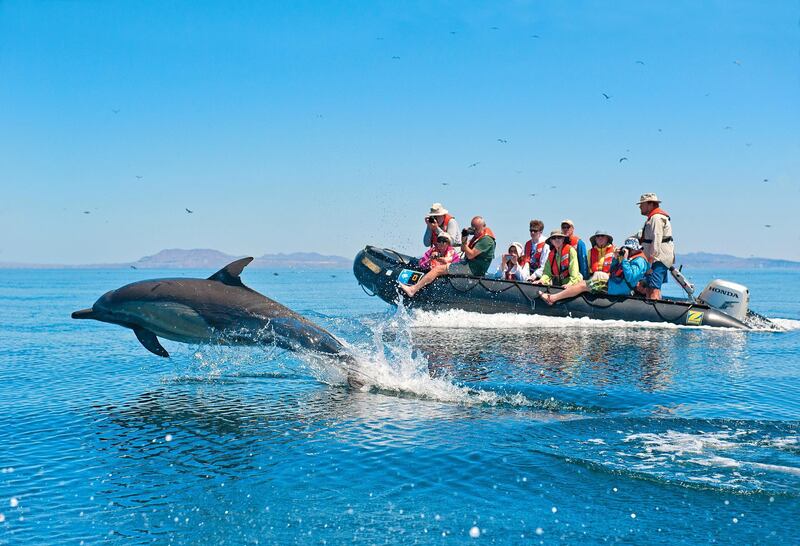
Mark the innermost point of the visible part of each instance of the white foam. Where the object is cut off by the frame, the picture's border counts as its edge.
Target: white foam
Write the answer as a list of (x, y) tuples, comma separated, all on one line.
[(680, 443), (786, 324), (456, 318)]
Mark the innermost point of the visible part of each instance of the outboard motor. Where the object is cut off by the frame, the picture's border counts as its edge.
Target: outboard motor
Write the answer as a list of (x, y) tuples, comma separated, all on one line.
[(729, 297)]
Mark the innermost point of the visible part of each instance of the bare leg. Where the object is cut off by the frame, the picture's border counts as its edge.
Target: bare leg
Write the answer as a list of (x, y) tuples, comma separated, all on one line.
[(653, 294), (568, 292), (426, 279)]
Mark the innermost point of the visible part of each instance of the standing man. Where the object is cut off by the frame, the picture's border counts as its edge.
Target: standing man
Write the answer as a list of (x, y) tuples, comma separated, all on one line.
[(568, 229), (657, 244), (439, 221)]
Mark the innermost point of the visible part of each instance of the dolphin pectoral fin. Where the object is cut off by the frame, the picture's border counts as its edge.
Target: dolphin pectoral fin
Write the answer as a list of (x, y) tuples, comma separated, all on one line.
[(150, 342), (230, 273)]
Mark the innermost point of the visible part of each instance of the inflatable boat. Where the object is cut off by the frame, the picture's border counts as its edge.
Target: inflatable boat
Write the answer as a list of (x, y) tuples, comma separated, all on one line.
[(379, 270)]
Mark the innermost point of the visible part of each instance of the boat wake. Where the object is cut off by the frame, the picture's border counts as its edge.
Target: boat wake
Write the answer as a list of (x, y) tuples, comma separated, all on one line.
[(456, 318)]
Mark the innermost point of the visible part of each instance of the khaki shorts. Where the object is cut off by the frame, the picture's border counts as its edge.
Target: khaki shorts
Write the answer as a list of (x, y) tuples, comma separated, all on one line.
[(597, 286)]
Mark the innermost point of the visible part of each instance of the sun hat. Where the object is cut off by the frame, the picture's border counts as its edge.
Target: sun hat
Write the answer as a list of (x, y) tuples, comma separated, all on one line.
[(599, 232), (446, 236), (555, 233), (648, 197), (518, 246), (568, 221), (437, 210), (632, 243)]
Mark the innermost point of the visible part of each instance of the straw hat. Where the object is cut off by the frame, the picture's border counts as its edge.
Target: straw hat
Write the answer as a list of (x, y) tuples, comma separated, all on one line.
[(555, 233), (646, 197), (437, 210), (599, 232)]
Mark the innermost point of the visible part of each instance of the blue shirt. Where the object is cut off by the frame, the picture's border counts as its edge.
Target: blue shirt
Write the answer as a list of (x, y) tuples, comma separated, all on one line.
[(632, 270), (583, 259)]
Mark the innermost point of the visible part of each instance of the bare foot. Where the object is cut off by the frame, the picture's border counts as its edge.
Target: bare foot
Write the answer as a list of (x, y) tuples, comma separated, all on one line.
[(409, 291), (546, 297)]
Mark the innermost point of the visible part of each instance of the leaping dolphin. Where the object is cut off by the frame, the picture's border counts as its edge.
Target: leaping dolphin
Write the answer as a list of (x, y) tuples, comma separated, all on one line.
[(219, 309)]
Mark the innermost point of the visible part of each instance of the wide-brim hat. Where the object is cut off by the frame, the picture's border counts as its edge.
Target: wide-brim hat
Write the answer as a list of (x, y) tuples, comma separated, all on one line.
[(568, 221), (437, 210), (599, 232), (647, 197), (555, 233)]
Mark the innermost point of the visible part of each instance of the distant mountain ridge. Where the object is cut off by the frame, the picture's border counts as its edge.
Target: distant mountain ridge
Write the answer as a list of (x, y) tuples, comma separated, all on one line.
[(206, 258), (707, 260)]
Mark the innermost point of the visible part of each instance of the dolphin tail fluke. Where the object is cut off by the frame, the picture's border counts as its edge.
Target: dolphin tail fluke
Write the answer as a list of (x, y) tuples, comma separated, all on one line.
[(83, 314), (150, 342)]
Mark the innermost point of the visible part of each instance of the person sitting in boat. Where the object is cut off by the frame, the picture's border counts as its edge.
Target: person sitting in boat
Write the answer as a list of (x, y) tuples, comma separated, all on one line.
[(627, 268), (600, 255), (657, 244), (568, 229), (441, 253), (536, 250), (478, 255), (514, 265), (437, 221), (561, 268)]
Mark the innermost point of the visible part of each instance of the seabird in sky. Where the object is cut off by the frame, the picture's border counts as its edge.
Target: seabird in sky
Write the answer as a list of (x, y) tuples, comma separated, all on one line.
[(473, 164), (502, 141), (189, 211), (621, 159)]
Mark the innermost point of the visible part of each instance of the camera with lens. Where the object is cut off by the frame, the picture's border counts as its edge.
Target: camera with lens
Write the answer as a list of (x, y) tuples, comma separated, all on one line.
[(468, 231), (431, 219)]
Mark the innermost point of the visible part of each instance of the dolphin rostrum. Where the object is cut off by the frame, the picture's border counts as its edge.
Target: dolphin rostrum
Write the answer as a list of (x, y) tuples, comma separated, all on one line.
[(219, 310)]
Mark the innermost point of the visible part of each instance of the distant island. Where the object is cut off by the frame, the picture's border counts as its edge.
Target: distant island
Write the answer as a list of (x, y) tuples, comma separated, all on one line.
[(203, 258)]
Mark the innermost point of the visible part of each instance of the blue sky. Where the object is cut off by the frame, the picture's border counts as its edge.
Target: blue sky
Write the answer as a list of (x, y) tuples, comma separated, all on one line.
[(291, 126)]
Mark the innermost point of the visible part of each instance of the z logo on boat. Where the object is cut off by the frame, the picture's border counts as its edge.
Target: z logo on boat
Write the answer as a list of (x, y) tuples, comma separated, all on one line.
[(695, 318)]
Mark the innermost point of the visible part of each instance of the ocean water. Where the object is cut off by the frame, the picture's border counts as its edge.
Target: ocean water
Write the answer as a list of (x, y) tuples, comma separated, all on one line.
[(475, 429)]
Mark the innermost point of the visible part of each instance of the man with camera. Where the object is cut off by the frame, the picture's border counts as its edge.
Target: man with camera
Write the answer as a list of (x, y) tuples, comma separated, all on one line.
[(478, 253), (438, 221), (627, 269)]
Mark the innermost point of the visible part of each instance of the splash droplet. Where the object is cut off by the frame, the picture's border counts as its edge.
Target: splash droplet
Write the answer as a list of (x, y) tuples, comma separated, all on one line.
[(474, 532)]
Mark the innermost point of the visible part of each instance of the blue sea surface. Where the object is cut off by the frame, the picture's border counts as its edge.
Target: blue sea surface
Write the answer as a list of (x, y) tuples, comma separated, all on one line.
[(476, 429)]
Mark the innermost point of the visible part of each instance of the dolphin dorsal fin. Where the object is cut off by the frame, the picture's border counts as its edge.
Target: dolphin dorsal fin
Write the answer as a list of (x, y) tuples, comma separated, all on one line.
[(230, 273)]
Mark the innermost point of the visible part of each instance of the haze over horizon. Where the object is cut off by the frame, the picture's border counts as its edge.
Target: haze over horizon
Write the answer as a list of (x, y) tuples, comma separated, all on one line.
[(321, 127)]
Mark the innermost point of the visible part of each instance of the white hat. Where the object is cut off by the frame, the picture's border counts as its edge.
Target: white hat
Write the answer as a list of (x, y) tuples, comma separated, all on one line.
[(444, 235), (518, 246), (568, 221), (437, 210), (646, 197)]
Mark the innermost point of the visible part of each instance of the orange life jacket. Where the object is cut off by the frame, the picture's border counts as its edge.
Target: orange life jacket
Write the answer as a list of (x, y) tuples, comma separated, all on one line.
[(573, 241), (598, 262), (534, 257), (486, 233), (559, 265)]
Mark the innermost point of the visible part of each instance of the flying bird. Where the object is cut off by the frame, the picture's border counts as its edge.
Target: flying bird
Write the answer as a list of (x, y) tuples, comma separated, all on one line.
[(552, 187), (396, 57), (621, 159), (534, 35), (495, 28), (139, 177), (727, 127), (606, 96), (134, 267), (275, 274), (532, 194), (86, 212), (445, 184), (452, 32), (473, 164), (502, 141), (115, 110), (640, 62), (189, 211), (768, 225), (766, 180), (737, 62)]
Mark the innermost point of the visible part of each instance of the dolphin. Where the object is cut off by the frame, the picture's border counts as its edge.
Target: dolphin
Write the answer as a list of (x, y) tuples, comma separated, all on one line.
[(219, 309)]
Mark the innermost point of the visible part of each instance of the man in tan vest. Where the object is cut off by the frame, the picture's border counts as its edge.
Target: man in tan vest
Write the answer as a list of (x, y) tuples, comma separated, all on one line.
[(657, 244)]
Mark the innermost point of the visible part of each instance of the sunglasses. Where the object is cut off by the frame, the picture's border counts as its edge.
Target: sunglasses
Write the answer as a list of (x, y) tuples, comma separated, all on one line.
[(536, 230), (565, 226), (442, 242)]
